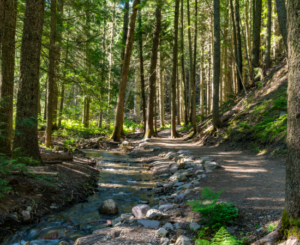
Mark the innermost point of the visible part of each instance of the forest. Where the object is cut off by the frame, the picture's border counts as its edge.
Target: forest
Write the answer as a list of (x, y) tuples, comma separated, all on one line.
[(158, 100)]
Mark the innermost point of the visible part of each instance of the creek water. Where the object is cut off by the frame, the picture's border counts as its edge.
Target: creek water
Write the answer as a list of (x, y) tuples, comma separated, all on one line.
[(121, 178)]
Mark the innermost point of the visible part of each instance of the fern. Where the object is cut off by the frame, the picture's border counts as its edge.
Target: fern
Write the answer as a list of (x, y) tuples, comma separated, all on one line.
[(222, 237)]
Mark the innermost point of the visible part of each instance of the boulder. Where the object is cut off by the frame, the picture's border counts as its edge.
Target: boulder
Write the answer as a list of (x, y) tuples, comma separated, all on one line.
[(211, 165), (179, 198), (108, 207), (208, 159), (156, 214), (140, 211), (174, 168), (151, 224), (26, 215), (182, 177), (64, 243), (162, 232), (183, 240), (194, 226), (168, 227), (178, 184), (165, 207), (116, 221)]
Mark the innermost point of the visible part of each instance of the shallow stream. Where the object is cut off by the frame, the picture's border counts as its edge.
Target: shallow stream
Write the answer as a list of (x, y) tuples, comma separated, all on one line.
[(121, 178)]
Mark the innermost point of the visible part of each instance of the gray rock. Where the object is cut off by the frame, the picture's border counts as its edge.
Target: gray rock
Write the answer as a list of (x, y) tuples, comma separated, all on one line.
[(151, 224), (140, 211), (194, 226), (186, 186), (108, 207), (209, 159), (156, 214), (209, 171), (178, 184), (186, 152), (168, 227), (126, 216), (162, 232), (211, 165), (183, 240), (156, 148), (164, 241), (198, 172), (174, 168), (158, 190), (178, 225), (64, 243), (170, 185), (165, 207), (116, 221), (203, 176), (26, 215), (179, 198), (182, 177)]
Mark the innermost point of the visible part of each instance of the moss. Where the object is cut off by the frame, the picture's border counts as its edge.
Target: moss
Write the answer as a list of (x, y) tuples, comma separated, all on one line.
[(295, 232), (285, 224)]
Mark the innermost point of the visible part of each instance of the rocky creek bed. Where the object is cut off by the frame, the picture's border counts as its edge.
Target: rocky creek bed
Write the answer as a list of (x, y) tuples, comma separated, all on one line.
[(145, 203)]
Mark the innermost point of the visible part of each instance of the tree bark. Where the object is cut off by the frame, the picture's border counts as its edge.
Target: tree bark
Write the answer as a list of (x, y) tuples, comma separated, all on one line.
[(292, 194), (50, 83), (185, 116), (174, 133), (152, 80), (111, 63), (27, 102), (61, 105), (125, 28), (137, 99), (216, 119), (7, 82), (248, 31), (208, 99), (191, 62), (239, 55), (1, 22), (193, 83), (119, 115), (161, 91), (269, 26), (142, 70), (256, 34), (202, 79), (282, 20)]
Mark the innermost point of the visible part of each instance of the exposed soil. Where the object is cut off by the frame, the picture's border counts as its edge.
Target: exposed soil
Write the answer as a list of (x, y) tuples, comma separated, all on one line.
[(74, 182)]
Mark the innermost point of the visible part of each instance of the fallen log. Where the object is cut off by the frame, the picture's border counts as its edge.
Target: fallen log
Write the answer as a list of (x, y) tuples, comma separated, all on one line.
[(53, 156), (270, 238), (53, 162), (36, 172)]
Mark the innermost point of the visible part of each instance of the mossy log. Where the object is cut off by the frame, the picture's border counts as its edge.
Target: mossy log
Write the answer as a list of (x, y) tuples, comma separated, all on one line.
[(52, 156)]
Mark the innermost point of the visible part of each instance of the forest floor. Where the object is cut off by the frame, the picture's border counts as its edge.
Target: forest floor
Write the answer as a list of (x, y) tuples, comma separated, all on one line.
[(254, 183)]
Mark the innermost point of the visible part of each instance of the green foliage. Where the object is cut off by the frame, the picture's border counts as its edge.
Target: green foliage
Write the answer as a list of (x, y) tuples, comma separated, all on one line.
[(222, 237), (270, 227), (216, 214), (46, 179), (130, 126)]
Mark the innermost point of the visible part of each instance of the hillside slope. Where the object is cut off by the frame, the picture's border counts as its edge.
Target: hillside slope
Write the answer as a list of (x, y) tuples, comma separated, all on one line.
[(261, 121)]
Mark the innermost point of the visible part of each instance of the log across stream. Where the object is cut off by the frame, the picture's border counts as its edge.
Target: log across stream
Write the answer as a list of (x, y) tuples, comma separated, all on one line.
[(121, 179)]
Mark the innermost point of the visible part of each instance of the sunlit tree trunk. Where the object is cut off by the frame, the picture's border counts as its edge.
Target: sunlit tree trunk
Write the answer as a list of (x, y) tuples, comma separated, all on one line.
[(27, 102), (239, 55), (174, 133), (177, 96), (185, 109), (292, 194), (193, 82), (137, 99), (111, 63), (209, 81), (152, 80), (142, 70), (161, 91), (119, 115), (51, 70), (7, 81), (191, 62)]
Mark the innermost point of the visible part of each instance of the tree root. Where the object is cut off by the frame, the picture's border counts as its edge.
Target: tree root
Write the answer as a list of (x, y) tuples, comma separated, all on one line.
[(270, 238)]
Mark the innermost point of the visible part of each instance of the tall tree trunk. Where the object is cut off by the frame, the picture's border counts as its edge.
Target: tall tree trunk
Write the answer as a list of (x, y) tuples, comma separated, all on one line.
[(27, 102), (111, 63), (191, 62), (216, 120), (234, 40), (282, 17), (202, 79), (292, 194), (256, 34), (142, 70), (226, 57), (239, 46), (8, 68), (125, 28), (119, 115), (162, 91), (185, 116), (61, 105), (137, 99), (50, 84), (152, 80), (269, 26), (193, 78), (177, 95), (174, 133), (209, 80), (1, 35), (248, 27)]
